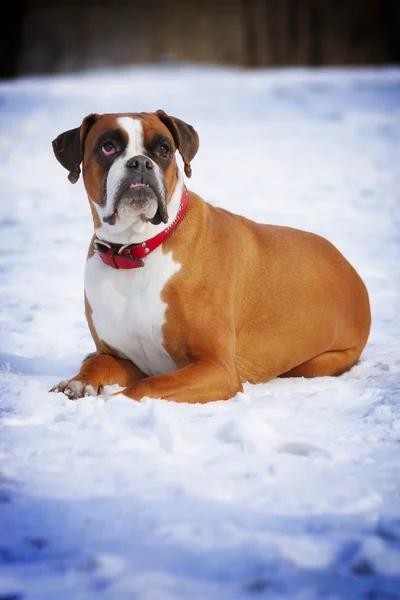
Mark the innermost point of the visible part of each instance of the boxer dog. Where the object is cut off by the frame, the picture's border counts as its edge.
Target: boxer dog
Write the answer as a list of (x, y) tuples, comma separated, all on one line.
[(186, 301)]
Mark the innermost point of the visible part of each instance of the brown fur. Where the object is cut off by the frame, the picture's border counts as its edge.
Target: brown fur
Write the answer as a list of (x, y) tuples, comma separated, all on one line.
[(251, 302)]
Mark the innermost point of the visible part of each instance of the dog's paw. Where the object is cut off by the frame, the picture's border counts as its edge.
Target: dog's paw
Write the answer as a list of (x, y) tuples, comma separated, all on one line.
[(75, 389)]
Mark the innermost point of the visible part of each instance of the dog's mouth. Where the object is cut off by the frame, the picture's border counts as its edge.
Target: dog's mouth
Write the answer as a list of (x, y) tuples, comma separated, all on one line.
[(138, 184), (113, 218), (141, 199)]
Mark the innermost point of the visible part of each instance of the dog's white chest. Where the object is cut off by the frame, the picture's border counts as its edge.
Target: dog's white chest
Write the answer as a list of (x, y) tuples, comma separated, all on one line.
[(128, 312)]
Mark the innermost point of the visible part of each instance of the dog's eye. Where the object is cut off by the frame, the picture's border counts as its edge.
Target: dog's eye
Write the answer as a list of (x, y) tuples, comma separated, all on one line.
[(163, 150), (108, 149)]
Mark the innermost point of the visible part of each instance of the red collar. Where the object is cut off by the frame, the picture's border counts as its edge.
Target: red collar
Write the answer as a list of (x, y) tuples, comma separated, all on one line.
[(131, 256)]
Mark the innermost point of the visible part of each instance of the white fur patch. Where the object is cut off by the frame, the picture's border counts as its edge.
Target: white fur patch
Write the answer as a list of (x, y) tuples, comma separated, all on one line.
[(134, 129), (128, 312)]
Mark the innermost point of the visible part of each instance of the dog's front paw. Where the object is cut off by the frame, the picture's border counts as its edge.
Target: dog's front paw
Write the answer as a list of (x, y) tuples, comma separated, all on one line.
[(75, 389)]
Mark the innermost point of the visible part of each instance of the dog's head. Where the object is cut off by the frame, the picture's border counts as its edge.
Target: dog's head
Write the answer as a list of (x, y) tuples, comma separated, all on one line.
[(128, 163)]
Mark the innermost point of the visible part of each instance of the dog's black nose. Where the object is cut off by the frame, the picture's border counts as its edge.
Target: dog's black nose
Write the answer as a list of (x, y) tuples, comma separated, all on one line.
[(139, 163)]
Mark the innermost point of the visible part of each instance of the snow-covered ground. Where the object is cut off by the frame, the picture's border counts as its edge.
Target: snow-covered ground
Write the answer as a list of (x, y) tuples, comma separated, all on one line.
[(291, 490)]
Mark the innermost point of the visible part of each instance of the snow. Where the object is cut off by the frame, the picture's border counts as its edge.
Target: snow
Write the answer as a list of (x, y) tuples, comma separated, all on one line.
[(291, 490)]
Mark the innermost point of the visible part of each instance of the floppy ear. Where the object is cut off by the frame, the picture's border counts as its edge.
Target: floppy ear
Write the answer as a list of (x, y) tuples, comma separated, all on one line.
[(68, 147), (185, 137)]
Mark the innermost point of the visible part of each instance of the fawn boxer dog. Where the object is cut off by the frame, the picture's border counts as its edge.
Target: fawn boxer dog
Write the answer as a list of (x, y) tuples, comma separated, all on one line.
[(186, 301)]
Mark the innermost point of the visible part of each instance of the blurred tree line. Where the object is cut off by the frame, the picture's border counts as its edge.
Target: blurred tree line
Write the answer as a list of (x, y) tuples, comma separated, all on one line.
[(49, 36)]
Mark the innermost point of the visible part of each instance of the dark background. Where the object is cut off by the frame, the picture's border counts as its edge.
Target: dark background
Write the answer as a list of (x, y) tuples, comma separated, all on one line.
[(41, 37)]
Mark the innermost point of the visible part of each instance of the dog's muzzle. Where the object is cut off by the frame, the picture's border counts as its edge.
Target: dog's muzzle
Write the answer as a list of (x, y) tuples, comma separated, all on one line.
[(142, 185), (145, 181)]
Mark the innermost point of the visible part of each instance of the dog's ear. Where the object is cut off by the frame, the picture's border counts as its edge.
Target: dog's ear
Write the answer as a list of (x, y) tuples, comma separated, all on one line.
[(68, 147), (185, 137)]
